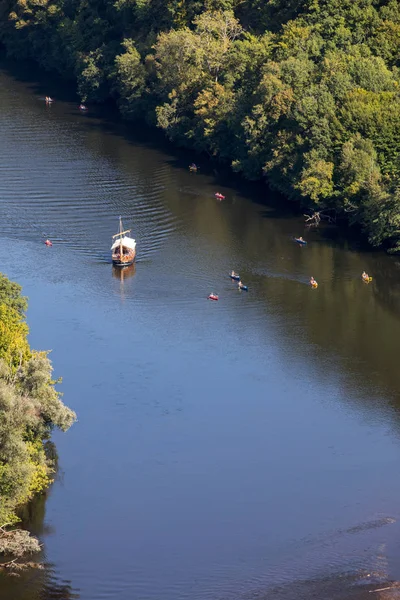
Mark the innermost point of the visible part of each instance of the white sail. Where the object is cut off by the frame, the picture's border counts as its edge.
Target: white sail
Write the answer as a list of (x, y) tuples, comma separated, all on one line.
[(127, 242)]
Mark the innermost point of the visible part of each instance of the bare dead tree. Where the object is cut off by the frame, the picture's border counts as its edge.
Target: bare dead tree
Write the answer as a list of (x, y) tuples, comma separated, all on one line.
[(17, 543), (317, 216)]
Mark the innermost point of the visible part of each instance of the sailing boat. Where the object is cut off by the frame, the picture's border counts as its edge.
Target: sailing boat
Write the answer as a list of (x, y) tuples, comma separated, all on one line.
[(124, 248)]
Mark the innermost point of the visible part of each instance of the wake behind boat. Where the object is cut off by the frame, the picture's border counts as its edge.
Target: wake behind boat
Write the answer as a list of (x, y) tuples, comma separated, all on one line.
[(124, 248)]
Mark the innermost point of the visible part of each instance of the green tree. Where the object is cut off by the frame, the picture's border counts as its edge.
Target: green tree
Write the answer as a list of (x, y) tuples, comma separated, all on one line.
[(130, 77)]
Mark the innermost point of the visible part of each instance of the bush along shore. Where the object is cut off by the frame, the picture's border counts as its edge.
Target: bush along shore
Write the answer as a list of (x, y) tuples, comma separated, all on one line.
[(30, 407), (302, 92)]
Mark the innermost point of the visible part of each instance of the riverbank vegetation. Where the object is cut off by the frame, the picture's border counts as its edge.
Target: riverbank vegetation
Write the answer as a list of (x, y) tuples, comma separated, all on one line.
[(302, 92), (30, 407)]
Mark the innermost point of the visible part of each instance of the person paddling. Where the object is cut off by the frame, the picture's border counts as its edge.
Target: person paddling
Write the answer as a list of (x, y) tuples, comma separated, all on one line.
[(365, 276)]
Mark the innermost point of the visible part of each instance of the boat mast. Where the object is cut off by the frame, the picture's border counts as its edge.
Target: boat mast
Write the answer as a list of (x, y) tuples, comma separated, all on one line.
[(120, 238), (120, 234)]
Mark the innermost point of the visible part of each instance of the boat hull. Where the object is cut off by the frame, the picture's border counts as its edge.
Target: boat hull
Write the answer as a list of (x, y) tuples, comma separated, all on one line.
[(123, 261), (235, 277)]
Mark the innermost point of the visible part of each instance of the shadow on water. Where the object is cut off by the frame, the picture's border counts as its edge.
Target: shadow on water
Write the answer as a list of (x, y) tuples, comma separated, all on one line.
[(36, 583), (123, 273), (39, 82), (107, 120)]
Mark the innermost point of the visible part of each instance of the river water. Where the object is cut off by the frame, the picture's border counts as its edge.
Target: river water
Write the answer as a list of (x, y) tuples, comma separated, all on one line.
[(246, 448)]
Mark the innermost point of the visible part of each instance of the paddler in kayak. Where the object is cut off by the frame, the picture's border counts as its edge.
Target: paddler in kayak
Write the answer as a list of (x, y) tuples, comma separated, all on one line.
[(313, 283), (233, 274), (365, 276)]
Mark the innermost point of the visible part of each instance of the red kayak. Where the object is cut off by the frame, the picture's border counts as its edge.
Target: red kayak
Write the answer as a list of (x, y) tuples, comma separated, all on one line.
[(219, 196), (213, 297), (48, 243)]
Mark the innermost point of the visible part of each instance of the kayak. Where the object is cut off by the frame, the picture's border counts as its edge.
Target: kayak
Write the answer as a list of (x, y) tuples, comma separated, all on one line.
[(213, 297), (367, 280), (301, 242), (314, 285), (235, 277), (244, 288), (193, 169), (219, 196)]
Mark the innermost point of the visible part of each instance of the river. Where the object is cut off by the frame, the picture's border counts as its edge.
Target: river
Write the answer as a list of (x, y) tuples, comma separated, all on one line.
[(246, 448)]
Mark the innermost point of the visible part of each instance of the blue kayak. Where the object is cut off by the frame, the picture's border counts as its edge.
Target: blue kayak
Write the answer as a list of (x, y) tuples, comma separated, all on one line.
[(302, 242), (235, 277), (244, 288)]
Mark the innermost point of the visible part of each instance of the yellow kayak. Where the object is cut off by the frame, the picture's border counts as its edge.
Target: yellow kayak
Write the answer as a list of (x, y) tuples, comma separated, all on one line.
[(367, 279)]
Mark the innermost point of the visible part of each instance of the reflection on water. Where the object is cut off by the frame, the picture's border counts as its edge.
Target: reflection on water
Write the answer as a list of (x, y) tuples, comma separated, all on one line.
[(37, 584), (33, 583), (247, 446), (123, 273)]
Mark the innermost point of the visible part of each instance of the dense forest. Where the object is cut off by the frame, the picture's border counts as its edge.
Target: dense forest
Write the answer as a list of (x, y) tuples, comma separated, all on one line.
[(302, 92), (30, 407)]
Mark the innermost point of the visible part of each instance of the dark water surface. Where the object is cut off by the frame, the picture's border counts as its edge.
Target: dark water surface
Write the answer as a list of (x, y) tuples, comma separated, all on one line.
[(242, 449)]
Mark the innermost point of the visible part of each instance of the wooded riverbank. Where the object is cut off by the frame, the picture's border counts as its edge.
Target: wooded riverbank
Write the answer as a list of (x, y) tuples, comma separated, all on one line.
[(304, 94), (30, 407)]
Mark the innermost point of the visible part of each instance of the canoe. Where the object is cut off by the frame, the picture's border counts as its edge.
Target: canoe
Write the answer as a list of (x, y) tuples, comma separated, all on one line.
[(301, 242), (213, 297), (235, 277), (244, 288)]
